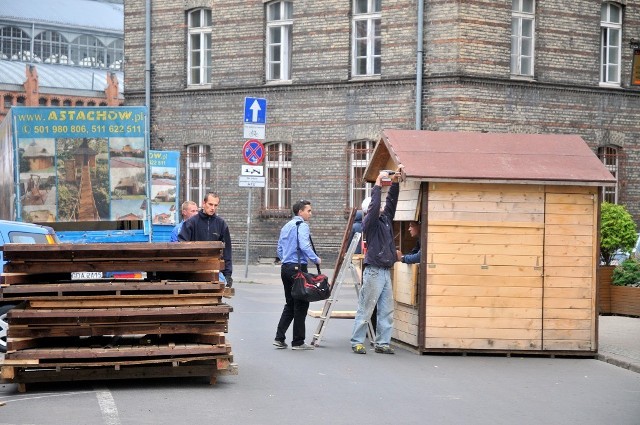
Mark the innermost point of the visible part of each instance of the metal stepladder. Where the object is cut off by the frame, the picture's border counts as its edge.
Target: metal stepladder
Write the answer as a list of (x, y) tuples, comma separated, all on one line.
[(347, 264)]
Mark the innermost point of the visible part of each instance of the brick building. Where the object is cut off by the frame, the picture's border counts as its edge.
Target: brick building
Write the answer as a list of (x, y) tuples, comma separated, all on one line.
[(61, 54), (335, 73)]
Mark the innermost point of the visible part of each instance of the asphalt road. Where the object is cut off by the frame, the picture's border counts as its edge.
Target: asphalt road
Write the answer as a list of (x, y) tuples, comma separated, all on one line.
[(331, 385)]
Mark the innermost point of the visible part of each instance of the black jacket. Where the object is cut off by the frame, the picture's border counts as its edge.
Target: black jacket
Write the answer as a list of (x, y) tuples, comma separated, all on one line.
[(381, 248), (203, 227)]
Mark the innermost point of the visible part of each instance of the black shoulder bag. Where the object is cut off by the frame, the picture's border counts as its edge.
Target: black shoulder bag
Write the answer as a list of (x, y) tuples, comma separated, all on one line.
[(308, 286)]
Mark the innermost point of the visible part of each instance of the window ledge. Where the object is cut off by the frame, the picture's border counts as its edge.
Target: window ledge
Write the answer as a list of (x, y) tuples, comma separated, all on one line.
[(272, 213), (523, 77), (199, 86), (358, 78), (278, 82), (610, 85)]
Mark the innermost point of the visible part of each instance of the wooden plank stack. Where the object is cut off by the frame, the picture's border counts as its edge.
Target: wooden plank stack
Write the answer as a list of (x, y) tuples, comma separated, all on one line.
[(172, 323)]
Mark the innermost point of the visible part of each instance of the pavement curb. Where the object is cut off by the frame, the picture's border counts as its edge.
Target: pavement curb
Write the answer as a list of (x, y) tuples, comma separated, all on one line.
[(619, 362)]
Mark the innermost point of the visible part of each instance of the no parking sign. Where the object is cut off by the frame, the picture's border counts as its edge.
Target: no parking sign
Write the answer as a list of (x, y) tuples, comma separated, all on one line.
[(253, 152)]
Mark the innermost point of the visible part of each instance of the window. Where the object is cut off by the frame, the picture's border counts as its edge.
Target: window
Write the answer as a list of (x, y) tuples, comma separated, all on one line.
[(51, 47), (278, 176), (87, 50), (55, 102), (279, 28), (42, 101), (522, 40), (611, 43), (14, 44), (199, 47), (609, 156), (367, 38), (115, 54), (359, 156), (8, 101), (198, 172)]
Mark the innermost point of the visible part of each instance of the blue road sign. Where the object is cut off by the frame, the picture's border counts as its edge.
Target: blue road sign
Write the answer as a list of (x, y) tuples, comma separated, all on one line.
[(255, 110)]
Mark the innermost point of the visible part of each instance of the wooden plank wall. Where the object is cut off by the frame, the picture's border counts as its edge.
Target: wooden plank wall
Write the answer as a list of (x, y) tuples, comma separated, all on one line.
[(405, 314), (484, 266), (570, 268)]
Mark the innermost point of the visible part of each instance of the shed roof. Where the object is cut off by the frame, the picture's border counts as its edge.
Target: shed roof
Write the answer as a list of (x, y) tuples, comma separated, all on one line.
[(489, 157)]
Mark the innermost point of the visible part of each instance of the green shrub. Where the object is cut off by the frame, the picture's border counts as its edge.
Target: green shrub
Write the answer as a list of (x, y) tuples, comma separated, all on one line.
[(617, 230), (627, 273)]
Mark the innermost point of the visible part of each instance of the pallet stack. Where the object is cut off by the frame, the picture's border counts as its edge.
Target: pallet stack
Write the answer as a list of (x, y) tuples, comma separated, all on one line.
[(171, 323)]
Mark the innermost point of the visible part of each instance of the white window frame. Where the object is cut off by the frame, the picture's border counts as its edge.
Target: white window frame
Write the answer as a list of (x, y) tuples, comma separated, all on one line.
[(610, 157), (198, 164), (371, 19), (610, 53), (283, 25), (278, 175), (200, 28), (360, 152), (523, 15)]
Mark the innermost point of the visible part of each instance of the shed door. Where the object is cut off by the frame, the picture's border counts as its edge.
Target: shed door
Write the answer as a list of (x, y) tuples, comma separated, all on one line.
[(571, 238), (484, 266)]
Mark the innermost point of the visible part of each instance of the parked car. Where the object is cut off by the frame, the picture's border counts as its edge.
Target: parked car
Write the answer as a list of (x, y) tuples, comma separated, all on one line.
[(17, 232), (620, 256)]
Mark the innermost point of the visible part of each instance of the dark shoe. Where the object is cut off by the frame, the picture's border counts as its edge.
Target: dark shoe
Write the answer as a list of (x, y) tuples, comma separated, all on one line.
[(280, 344), (384, 349), (302, 347), (359, 349)]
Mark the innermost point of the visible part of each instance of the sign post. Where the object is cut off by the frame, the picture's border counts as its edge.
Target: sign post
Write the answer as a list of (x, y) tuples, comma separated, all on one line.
[(251, 176)]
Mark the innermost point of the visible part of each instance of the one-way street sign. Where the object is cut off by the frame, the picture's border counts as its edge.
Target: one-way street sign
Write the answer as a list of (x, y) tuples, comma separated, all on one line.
[(255, 110)]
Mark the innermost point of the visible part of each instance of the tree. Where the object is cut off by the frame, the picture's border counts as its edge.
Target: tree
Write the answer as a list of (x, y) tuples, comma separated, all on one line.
[(617, 231)]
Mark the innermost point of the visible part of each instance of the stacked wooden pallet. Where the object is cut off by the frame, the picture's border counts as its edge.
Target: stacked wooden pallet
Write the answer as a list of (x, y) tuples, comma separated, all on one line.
[(171, 323)]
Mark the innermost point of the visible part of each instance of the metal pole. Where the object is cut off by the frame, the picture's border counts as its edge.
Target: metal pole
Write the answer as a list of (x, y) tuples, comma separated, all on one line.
[(246, 249)]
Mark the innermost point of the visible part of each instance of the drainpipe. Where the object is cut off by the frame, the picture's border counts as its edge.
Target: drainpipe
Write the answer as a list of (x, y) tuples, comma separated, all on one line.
[(147, 102), (419, 62)]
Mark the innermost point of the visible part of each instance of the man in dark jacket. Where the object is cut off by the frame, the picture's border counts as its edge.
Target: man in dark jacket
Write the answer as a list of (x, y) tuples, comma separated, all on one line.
[(207, 226), (378, 260)]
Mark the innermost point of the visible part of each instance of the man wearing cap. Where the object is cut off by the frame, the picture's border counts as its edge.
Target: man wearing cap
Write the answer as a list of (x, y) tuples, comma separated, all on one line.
[(378, 260)]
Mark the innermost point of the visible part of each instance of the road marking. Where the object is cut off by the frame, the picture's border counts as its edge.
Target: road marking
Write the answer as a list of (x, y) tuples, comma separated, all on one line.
[(107, 406), (12, 399)]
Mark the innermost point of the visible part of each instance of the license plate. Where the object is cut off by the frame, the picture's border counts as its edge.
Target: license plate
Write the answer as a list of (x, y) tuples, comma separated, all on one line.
[(86, 275)]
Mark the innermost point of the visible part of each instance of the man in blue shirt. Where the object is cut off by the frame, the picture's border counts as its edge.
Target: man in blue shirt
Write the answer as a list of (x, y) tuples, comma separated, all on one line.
[(189, 209), (294, 247)]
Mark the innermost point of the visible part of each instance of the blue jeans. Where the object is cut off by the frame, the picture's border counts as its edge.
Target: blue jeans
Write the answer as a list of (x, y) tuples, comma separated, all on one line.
[(376, 288)]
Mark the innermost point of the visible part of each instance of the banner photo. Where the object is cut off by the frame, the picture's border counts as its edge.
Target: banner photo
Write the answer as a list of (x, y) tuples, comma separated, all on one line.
[(81, 163)]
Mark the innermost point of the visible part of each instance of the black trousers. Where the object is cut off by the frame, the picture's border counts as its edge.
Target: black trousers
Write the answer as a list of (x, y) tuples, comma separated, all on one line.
[(294, 310)]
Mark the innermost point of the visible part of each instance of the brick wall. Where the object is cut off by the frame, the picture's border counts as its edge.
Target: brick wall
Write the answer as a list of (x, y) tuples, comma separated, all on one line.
[(467, 88)]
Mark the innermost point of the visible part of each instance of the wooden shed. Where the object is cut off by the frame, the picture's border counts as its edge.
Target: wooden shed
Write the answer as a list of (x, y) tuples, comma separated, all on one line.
[(509, 236)]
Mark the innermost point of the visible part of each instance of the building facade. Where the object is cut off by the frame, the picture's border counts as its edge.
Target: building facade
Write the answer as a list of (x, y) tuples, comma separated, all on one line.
[(61, 54), (335, 73)]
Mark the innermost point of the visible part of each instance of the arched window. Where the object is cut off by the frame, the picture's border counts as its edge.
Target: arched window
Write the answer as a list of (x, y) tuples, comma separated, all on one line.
[(21, 101), (55, 102), (15, 44), (199, 47), (611, 43), (609, 155), (115, 54), (66, 102), (198, 161), (79, 103), (51, 47), (42, 101), (359, 155), (8, 101), (91, 103), (278, 176), (87, 50)]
